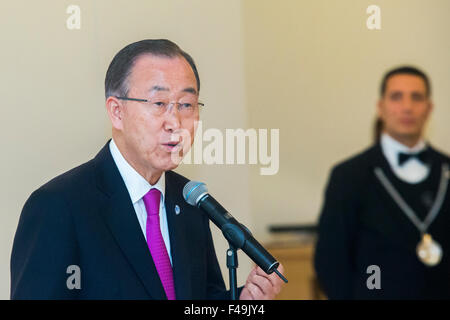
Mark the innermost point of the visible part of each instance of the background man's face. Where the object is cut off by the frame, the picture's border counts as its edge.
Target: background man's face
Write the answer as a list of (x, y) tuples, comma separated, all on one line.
[(148, 138), (405, 106)]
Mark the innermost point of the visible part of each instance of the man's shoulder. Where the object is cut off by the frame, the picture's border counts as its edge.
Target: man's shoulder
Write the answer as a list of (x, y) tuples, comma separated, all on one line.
[(358, 162), (78, 179), (50, 202), (74, 178), (176, 179), (350, 175), (441, 155), (74, 185)]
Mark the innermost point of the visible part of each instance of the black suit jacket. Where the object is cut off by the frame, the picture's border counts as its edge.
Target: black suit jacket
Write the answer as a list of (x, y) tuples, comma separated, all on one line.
[(85, 218), (360, 225)]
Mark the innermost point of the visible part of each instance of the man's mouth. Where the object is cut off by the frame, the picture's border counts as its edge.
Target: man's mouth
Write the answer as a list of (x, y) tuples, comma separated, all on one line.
[(407, 121), (172, 145)]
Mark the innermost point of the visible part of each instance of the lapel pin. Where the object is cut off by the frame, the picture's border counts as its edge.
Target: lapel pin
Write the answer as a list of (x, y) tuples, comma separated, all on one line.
[(177, 209)]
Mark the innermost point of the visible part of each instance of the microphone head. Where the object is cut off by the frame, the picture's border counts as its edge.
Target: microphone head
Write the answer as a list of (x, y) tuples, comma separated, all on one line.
[(193, 192)]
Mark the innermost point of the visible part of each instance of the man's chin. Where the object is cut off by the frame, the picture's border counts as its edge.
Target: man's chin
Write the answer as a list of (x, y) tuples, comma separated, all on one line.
[(410, 133), (170, 161), (171, 164), (406, 135)]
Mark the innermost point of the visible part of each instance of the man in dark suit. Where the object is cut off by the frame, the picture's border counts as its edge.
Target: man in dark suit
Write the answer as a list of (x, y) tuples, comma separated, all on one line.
[(117, 227), (384, 226)]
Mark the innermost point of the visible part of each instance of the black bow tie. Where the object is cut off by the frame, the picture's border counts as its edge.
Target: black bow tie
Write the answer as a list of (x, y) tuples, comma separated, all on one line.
[(423, 156)]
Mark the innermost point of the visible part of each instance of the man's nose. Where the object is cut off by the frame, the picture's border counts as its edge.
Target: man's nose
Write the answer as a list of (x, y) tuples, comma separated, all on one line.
[(407, 104), (172, 118)]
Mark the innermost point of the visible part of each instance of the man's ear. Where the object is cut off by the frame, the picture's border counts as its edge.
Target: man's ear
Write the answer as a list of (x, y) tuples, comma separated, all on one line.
[(380, 108), (430, 106), (114, 108)]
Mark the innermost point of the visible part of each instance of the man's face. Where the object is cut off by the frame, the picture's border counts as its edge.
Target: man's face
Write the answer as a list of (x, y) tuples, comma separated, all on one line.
[(405, 106), (149, 139)]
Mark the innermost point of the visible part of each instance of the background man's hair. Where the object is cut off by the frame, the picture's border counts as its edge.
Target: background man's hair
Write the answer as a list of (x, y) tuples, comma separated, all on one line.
[(116, 80), (377, 130), (405, 70)]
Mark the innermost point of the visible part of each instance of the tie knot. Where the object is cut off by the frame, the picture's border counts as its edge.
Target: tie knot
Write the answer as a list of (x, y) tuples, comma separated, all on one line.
[(151, 201)]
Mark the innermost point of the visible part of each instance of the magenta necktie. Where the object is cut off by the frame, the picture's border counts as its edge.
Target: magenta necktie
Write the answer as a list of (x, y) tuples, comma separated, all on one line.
[(156, 244)]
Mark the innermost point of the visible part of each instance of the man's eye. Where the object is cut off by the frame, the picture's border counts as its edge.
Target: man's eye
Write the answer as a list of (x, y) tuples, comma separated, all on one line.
[(186, 105), (418, 97), (396, 96), (159, 104)]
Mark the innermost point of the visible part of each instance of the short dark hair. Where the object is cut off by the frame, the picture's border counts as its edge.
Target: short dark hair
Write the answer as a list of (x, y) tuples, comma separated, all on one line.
[(121, 65), (405, 70)]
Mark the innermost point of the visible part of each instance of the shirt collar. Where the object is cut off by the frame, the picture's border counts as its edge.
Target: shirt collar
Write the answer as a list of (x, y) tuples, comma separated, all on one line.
[(136, 185), (391, 148)]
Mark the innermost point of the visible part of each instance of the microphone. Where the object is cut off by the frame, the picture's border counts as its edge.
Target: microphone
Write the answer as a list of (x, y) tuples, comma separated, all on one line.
[(196, 194)]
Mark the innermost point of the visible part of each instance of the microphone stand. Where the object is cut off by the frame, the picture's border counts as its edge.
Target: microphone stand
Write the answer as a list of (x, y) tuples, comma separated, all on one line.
[(232, 264), (236, 239)]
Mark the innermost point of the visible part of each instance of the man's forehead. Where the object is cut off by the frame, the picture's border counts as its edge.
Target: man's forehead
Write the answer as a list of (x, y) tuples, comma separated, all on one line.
[(405, 82), (163, 74)]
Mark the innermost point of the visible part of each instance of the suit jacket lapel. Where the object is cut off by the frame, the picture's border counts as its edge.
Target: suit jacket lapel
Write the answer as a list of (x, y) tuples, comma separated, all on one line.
[(178, 238), (120, 216), (377, 214)]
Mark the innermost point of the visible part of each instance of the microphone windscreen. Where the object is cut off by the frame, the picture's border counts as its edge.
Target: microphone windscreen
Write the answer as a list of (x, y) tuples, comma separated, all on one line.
[(193, 190)]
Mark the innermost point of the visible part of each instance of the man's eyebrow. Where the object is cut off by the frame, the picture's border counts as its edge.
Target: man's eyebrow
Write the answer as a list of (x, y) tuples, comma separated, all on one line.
[(418, 94), (190, 90), (158, 88)]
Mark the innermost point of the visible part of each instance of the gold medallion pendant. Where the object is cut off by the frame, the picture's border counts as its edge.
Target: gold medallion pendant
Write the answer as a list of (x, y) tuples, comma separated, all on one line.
[(429, 251)]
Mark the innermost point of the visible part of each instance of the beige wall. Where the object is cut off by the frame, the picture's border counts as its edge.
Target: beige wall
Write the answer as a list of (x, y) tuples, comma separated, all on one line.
[(308, 68)]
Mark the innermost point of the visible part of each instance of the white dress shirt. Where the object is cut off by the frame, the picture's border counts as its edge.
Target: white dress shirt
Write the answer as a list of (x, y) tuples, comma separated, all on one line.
[(137, 187), (413, 170)]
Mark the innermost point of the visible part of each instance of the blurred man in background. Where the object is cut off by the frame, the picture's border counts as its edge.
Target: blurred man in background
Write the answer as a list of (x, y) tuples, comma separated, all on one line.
[(384, 225)]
